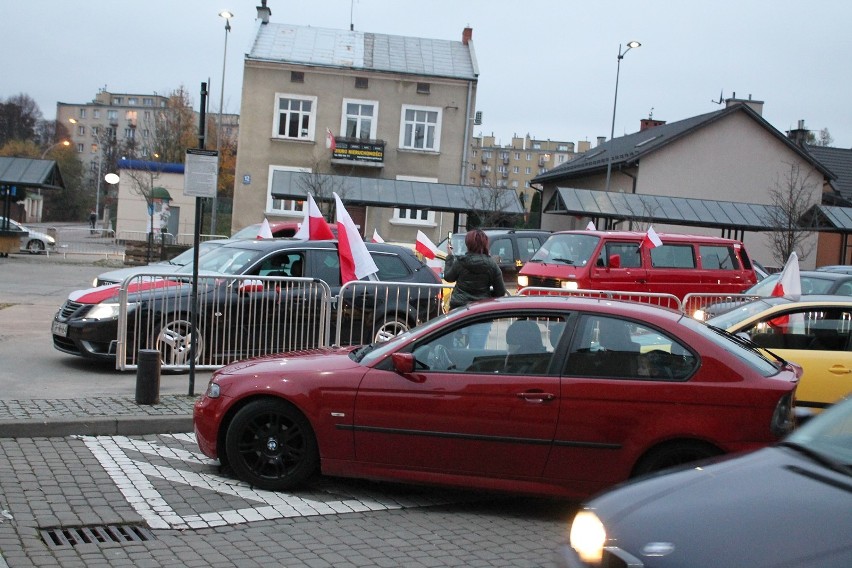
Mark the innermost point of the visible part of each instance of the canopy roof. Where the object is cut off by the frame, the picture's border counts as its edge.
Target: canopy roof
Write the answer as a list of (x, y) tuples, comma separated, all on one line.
[(30, 173)]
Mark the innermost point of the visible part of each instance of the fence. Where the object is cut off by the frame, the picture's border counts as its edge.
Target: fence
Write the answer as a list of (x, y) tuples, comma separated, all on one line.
[(85, 241), (662, 300), (187, 239)]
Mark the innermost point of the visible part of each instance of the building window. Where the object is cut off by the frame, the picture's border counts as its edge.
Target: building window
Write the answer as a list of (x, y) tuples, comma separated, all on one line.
[(527, 184), (528, 171), (80, 148), (130, 133), (517, 155), (291, 207), (95, 131), (117, 100), (133, 101), (516, 170), (112, 115), (560, 158), (421, 128), (361, 83), (146, 133), (473, 154), (529, 157), (486, 154), (294, 117), (147, 101), (81, 130), (96, 113), (147, 115), (423, 88), (94, 148), (82, 113), (536, 146), (297, 76), (359, 119), (409, 215), (515, 183)]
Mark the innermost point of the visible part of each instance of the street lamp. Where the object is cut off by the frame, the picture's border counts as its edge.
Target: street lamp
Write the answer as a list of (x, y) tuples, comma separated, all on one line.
[(65, 143), (621, 55), (227, 15)]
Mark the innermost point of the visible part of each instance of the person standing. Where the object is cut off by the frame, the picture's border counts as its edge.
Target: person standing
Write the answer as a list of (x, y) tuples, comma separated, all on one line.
[(93, 219), (476, 274)]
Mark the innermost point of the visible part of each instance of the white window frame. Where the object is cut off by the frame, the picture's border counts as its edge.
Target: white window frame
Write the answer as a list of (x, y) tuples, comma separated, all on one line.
[(409, 215), (374, 119), (296, 207), (276, 119), (436, 134)]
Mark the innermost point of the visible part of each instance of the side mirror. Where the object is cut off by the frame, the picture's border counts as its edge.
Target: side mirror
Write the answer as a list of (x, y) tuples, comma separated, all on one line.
[(615, 261), (250, 287), (403, 362)]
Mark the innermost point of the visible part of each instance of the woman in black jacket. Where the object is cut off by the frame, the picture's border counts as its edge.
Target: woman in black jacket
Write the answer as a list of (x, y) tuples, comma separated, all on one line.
[(476, 274)]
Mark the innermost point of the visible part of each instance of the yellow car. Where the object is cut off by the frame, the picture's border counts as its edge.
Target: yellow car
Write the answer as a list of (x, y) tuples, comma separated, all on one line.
[(814, 332)]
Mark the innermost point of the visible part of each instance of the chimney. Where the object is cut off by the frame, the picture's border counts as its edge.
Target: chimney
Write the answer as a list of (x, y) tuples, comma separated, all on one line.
[(467, 35), (263, 12), (647, 123), (756, 106), (799, 136), (583, 146), (601, 140)]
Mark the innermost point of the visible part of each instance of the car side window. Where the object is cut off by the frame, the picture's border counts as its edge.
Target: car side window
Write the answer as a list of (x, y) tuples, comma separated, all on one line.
[(673, 256), (391, 267), (527, 246), (505, 346), (629, 253), (501, 251), (715, 257), (823, 330), (608, 347), (326, 265)]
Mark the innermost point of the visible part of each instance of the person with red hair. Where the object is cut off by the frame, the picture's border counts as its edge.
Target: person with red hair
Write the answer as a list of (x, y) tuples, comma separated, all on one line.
[(475, 273)]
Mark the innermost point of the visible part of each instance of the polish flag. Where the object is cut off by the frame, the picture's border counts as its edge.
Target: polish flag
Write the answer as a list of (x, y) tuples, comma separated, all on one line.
[(313, 227), (329, 140), (651, 239), (376, 237), (789, 284), (425, 246), (355, 260), (264, 232), (591, 226)]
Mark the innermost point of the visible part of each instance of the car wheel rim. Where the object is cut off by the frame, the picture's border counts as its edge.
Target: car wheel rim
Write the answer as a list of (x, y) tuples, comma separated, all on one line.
[(174, 342), (389, 330), (272, 446)]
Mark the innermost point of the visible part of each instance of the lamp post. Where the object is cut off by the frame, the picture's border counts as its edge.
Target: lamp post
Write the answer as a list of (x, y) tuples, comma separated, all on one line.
[(227, 15), (65, 143), (621, 55)]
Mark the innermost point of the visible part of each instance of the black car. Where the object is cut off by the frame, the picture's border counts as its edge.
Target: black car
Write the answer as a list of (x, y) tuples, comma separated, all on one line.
[(510, 248), (783, 506), (240, 317)]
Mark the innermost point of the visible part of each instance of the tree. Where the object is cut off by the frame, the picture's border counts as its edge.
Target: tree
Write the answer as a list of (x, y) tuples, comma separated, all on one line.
[(19, 116), (322, 186), (488, 206), (823, 138), (174, 129), (795, 191)]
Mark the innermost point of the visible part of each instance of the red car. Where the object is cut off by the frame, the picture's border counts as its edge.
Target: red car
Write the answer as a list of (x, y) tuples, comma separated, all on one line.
[(539, 395)]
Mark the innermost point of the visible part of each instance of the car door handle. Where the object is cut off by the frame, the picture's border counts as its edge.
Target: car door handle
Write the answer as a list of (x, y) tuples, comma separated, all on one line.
[(839, 370), (536, 396)]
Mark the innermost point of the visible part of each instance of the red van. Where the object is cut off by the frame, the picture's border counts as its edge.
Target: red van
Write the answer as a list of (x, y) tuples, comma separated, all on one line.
[(616, 260)]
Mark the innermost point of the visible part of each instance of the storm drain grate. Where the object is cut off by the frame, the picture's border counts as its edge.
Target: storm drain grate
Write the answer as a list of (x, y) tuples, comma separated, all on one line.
[(62, 537)]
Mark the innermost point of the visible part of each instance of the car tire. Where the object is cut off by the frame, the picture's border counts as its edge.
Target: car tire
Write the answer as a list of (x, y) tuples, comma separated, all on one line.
[(389, 328), (270, 445), (173, 341), (674, 454), (35, 247)]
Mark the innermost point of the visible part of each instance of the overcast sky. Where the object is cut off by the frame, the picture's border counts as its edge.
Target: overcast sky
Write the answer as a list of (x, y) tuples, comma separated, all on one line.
[(547, 67)]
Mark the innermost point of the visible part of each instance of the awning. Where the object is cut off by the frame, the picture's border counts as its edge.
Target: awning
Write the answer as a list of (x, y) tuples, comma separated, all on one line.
[(30, 173), (828, 217), (397, 193), (661, 209)]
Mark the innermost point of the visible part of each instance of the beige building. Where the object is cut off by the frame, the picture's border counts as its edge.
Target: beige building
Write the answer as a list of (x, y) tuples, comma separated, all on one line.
[(514, 165), (323, 110), (709, 174)]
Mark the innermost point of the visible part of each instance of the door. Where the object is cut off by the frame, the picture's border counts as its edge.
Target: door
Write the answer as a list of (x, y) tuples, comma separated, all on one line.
[(629, 276), (487, 410)]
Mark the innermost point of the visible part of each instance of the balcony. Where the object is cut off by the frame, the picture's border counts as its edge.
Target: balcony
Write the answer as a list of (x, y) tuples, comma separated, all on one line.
[(358, 152)]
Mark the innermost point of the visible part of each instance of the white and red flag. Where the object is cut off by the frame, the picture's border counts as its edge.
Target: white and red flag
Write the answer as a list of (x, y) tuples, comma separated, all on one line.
[(355, 260), (651, 239), (329, 140), (377, 238), (425, 246), (591, 226), (264, 232), (314, 226), (789, 285)]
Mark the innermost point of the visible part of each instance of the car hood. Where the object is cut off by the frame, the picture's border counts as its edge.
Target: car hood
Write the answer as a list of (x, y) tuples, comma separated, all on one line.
[(328, 364), (770, 508), (109, 292), (121, 274)]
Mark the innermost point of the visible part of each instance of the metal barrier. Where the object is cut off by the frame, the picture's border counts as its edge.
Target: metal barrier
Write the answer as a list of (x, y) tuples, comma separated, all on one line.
[(704, 306), (370, 311), (88, 241), (237, 317), (662, 300), (167, 238)]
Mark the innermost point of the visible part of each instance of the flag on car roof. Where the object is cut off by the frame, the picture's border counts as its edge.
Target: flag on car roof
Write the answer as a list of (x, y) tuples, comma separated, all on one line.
[(376, 237), (789, 284), (355, 259), (314, 226), (425, 246), (264, 232), (651, 239), (591, 226)]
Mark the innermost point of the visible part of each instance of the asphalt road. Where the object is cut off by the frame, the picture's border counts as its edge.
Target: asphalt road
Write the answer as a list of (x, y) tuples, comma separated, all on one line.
[(32, 288)]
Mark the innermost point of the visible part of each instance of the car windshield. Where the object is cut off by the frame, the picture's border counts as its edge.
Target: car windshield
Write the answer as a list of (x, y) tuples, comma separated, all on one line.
[(828, 435), (249, 232), (186, 256), (744, 311), (225, 260), (376, 351), (573, 248)]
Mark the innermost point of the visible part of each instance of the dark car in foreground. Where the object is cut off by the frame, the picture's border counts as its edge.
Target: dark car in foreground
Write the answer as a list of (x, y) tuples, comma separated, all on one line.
[(566, 396), (244, 317), (789, 505)]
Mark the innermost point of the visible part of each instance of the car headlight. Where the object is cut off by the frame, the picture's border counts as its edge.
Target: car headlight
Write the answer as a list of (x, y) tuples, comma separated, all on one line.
[(523, 281), (213, 390), (51, 241), (588, 537), (570, 285), (107, 310)]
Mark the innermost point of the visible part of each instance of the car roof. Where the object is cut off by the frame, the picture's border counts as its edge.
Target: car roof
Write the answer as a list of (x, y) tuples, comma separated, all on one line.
[(287, 243), (638, 235), (636, 310)]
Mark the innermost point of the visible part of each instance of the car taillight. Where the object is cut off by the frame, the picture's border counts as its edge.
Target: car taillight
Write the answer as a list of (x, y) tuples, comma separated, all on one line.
[(783, 419)]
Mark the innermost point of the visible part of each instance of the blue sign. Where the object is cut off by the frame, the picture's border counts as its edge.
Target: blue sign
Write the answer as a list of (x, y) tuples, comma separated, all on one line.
[(246, 179)]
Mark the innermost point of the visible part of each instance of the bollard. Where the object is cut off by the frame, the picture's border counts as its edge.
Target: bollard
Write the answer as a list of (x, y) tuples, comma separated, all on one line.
[(148, 377)]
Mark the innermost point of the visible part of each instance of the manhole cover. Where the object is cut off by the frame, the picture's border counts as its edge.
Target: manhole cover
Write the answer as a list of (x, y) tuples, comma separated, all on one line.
[(65, 536)]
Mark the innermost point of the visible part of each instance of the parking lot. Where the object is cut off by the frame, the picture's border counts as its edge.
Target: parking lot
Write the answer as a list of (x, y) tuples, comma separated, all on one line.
[(159, 503)]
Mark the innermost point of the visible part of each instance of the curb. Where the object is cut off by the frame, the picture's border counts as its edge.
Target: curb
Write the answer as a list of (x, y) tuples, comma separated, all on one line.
[(96, 426)]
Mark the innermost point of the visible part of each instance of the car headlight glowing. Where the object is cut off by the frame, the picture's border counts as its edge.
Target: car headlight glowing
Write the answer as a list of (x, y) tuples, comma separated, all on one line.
[(523, 281), (108, 310), (569, 285), (699, 314), (588, 537)]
